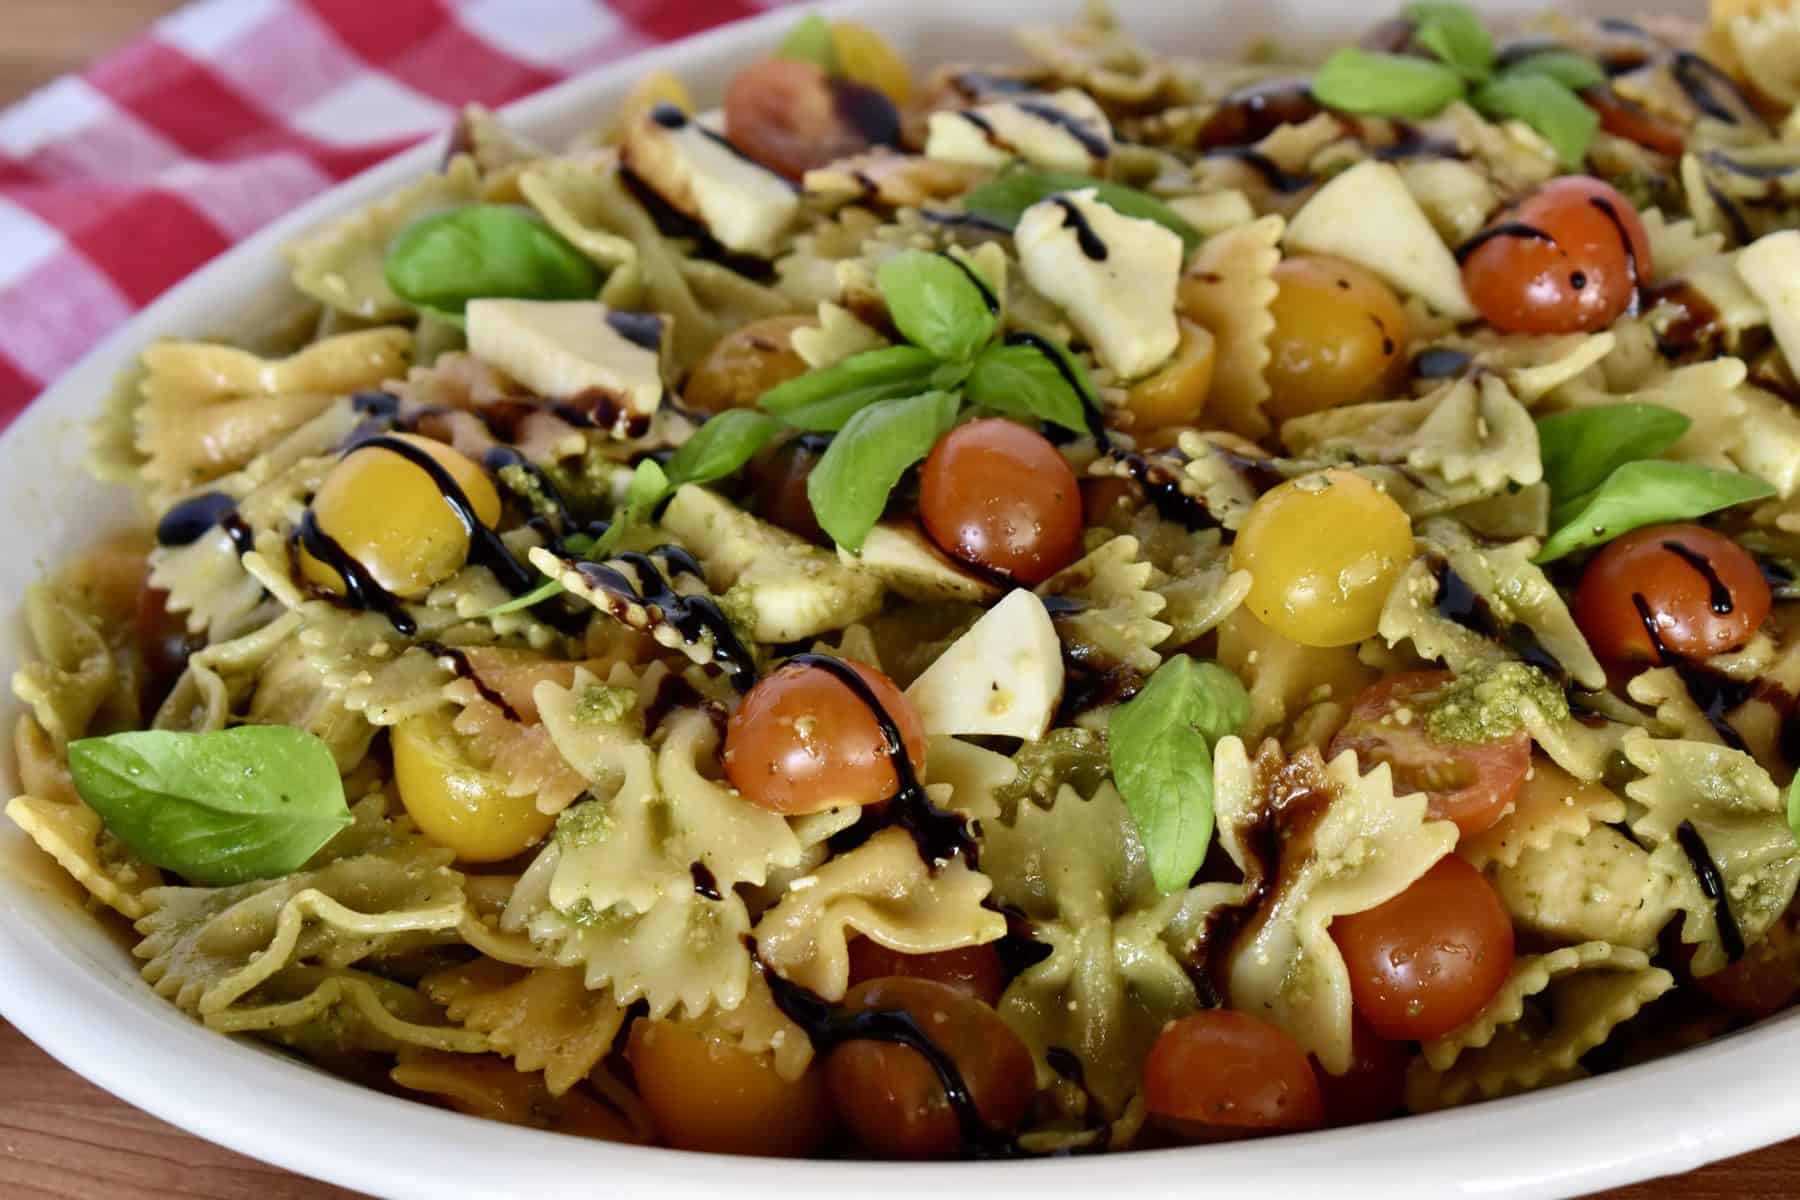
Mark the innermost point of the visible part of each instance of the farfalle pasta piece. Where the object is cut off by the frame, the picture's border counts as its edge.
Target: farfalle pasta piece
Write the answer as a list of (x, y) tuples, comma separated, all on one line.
[(574, 197), (1077, 870), (1676, 245), (884, 891), (73, 683), (1766, 42), (1706, 393), (837, 336), (343, 263), (1552, 806), (1193, 575), (499, 716), (1229, 287), (1600, 886), (1456, 197), (1100, 58), (1282, 676), (220, 677), (1554, 1008), (758, 1025), (1366, 845), (544, 1020), (1717, 824), (1466, 429), (330, 1012), (1677, 714), (487, 1086), (1109, 618), (290, 690), (1533, 365), (372, 669)]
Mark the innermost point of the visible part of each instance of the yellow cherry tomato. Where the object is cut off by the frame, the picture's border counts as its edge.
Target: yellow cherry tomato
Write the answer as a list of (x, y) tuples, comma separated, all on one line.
[(1340, 335), (704, 1092), (388, 515), (1323, 551), (866, 57), (456, 804), (1176, 394)]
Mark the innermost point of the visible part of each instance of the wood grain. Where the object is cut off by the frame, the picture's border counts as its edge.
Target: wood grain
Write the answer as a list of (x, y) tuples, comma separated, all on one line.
[(62, 1137)]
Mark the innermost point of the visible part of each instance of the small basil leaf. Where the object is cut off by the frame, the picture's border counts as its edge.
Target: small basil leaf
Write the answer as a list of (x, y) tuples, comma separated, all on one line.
[(850, 484), (485, 250), (251, 802), (1387, 85), (1003, 201), (1573, 71), (1582, 447), (1161, 744), (721, 446), (1547, 106), (939, 303), (810, 41), (1023, 381), (1455, 34), (823, 400), (1649, 493), (649, 484)]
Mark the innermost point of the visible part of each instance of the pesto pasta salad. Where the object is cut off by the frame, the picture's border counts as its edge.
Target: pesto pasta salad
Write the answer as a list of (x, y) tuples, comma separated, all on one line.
[(1094, 601)]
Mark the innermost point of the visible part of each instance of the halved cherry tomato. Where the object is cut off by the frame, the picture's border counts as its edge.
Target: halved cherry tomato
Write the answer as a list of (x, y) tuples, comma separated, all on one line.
[(791, 116), (1700, 591), (1631, 121), (1568, 259), (972, 969), (1471, 783), (1374, 1088), (999, 496), (1432, 957), (802, 741), (1222, 1073)]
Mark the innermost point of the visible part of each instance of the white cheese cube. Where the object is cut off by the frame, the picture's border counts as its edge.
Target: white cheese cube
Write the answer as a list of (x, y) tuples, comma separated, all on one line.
[(1061, 131), (570, 349), (746, 206), (1004, 676)]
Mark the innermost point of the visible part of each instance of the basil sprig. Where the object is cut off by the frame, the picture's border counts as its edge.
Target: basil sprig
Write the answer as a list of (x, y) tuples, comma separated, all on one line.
[(1023, 381), (1539, 90), (850, 484), (251, 802), (1605, 479), (822, 401), (1161, 742), (1004, 200), (443, 261)]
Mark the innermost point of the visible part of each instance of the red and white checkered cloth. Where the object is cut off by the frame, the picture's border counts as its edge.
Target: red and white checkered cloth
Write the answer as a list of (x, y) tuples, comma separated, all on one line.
[(118, 182)]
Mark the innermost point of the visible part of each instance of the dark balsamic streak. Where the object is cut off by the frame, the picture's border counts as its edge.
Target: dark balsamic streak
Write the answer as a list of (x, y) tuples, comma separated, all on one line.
[(1166, 496), (690, 616), (705, 884), (1285, 182), (640, 329), (965, 220), (1713, 692), (1712, 886), (1718, 595), (1090, 242), (193, 518), (1460, 603), (980, 122), (1697, 78), (940, 835), (459, 662), (1740, 228), (1090, 412), (987, 293), (1513, 229), (485, 546), (1090, 141), (238, 530), (360, 587), (1630, 248)]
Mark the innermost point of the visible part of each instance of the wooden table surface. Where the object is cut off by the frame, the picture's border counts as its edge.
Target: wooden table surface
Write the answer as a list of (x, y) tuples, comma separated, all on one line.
[(62, 1137)]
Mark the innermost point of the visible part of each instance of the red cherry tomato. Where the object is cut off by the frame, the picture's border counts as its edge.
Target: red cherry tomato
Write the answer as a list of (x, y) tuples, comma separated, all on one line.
[(791, 116), (975, 970), (1701, 592), (1221, 1073), (1764, 981), (1374, 1088), (1432, 957), (781, 489), (1631, 121), (999, 496), (1569, 259), (803, 742), (1470, 783)]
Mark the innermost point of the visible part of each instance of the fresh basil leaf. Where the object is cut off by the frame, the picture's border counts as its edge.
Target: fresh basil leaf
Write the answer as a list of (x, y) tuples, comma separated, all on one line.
[(1024, 381), (251, 802), (939, 303), (823, 400), (1547, 106), (810, 41), (443, 261), (850, 484), (1582, 447), (1455, 34), (1572, 70), (1385, 85), (1004, 200), (1649, 493), (1161, 743), (725, 443)]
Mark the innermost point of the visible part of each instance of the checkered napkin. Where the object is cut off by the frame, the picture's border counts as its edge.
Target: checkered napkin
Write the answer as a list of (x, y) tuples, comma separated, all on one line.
[(117, 183)]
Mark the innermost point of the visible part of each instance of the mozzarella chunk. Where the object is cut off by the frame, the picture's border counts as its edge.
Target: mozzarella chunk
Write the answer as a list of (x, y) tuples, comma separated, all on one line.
[(1061, 131), (906, 561), (1770, 267), (1004, 676), (1368, 215), (746, 206), (563, 349), (1114, 275)]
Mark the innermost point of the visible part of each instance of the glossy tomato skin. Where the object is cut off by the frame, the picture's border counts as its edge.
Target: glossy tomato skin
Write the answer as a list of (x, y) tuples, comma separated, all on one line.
[(1701, 591), (975, 970), (1569, 259), (706, 1093), (781, 497), (1000, 497), (791, 116), (801, 741), (1431, 958), (892, 1099), (1221, 1073), (1374, 1088), (1470, 783)]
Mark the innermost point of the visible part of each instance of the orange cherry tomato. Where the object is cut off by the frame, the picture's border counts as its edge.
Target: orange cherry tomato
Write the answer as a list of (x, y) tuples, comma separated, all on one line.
[(801, 741), (1431, 958), (1374, 1088), (706, 1093), (1568, 259), (791, 116), (1222, 1073), (890, 1096), (1764, 981), (975, 970), (1470, 783), (1000, 497), (1701, 592)]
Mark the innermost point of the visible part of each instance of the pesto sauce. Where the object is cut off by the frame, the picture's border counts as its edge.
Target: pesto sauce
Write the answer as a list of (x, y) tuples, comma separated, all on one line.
[(603, 704), (1490, 703)]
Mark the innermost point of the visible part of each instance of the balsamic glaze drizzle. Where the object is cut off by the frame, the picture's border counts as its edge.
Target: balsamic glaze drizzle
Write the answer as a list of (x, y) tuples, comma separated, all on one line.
[(1718, 595), (1165, 494), (1283, 181), (987, 293), (640, 329), (940, 835), (1697, 78), (1090, 242), (459, 662), (690, 616), (1714, 693), (1090, 412), (705, 883), (193, 518), (1625, 243), (1513, 229), (1712, 886), (1090, 141), (1460, 603), (360, 587)]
